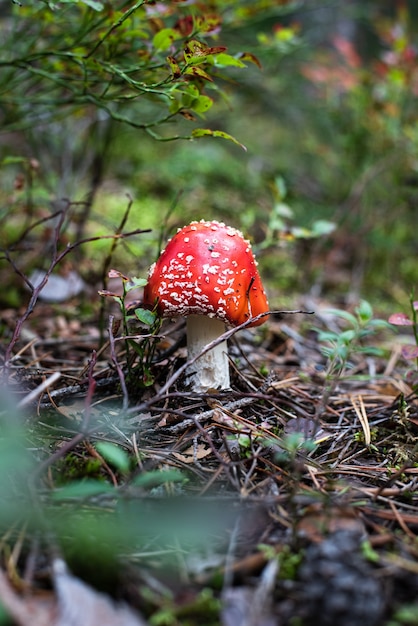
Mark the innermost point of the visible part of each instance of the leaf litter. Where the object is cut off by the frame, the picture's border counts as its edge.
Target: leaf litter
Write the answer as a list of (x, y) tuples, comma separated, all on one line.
[(292, 496)]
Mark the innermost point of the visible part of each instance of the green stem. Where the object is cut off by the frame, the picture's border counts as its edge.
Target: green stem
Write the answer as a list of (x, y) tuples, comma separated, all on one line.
[(113, 27)]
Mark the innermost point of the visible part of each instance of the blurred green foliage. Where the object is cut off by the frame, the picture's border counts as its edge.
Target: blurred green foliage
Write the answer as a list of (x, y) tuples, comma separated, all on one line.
[(16, 464), (109, 57)]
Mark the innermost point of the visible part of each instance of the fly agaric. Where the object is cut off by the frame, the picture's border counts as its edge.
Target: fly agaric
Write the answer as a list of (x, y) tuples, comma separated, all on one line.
[(208, 273)]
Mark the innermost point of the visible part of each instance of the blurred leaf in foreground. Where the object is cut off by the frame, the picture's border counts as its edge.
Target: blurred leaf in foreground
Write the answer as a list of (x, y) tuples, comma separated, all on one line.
[(15, 463)]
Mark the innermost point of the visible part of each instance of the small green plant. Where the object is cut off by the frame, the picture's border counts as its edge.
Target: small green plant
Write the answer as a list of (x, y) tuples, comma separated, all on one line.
[(407, 614), (200, 608), (338, 347), (281, 224), (115, 455), (293, 444), (369, 552), (288, 559), (139, 353)]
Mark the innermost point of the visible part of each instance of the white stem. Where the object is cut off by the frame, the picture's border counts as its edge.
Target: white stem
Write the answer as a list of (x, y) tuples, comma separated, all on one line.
[(211, 370)]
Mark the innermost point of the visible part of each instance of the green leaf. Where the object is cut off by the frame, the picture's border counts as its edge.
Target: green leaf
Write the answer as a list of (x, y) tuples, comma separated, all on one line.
[(158, 477), (299, 232), (284, 34), (96, 6), (280, 187), (11, 160), (79, 490), (372, 351), (164, 38), (283, 209), (345, 315), (347, 336), (407, 614), (190, 98), (113, 454), (342, 352), (324, 335), (327, 351), (276, 223), (322, 227), (224, 60), (364, 311), (379, 324), (145, 316), (195, 52), (202, 104), (136, 347), (207, 132), (134, 283), (93, 4)]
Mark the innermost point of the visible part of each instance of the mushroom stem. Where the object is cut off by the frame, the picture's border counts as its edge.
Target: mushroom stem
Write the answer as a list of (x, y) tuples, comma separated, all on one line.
[(211, 370)]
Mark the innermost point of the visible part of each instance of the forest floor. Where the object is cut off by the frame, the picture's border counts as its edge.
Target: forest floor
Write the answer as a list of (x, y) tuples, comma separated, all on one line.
[(290, 499)]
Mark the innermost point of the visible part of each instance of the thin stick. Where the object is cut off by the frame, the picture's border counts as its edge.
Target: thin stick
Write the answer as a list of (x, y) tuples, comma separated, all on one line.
[(38, 391)]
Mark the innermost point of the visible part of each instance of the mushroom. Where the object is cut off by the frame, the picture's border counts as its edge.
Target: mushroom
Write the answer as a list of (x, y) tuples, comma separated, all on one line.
[(208, 273)]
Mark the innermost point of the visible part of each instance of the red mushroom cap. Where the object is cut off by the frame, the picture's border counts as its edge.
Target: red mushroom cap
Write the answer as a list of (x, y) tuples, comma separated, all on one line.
[(207, 268)]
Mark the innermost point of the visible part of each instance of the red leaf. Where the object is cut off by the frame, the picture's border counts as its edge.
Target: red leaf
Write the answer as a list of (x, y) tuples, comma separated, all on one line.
[(409, 352), (216, 50), (251, 58), (400, 319)]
